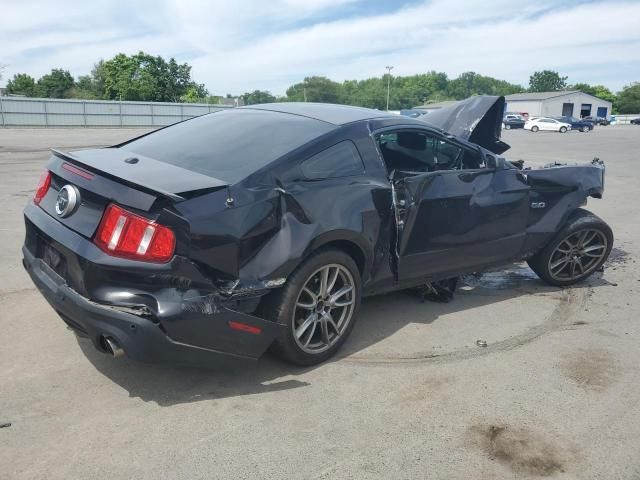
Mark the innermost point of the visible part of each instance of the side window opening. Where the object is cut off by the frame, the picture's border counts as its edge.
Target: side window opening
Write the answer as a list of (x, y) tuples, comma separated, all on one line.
[(340, 160), (408, 150), (472, 160), (419, 152)]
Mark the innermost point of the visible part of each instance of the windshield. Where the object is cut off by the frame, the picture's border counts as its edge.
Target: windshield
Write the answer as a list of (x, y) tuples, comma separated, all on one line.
[(230, 144)]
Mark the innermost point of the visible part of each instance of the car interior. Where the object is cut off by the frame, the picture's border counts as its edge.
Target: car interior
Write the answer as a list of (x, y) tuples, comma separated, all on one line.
[(419, 152)]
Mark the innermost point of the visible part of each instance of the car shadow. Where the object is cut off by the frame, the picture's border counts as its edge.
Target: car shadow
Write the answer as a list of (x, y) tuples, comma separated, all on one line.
[(378, 319)]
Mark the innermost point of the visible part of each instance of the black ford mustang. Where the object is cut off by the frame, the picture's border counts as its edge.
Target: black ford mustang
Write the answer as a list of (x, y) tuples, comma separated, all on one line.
[(264, 226)]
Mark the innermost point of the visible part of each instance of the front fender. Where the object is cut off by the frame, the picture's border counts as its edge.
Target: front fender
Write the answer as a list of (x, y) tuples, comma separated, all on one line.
[(556, 193)]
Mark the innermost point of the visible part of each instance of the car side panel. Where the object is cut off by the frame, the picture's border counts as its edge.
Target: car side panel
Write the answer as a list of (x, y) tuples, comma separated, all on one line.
[(277, 218), (556, 192), (459, 220)]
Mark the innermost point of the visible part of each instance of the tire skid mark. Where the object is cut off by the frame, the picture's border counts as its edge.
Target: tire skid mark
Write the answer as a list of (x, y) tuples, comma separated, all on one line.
[(571, 301)]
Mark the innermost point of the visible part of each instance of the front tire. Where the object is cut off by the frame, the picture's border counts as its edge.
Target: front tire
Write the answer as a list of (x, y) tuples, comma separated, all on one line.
[(507, 127), (578, 250), (318, 304), (563, 129), (584, 129), (534, 129)]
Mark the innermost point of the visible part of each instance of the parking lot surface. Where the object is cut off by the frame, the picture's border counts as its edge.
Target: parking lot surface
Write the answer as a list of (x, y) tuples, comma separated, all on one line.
[(556, 391)]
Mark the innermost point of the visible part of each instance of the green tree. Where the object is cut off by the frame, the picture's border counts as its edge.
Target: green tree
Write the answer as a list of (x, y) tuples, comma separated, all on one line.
[(405, 92), (55, 84), (145, 77), (84, 89), (418, 89), (125, 80), (471, 83), (315, 89), (22, 84), (98, 79), (258, 96), (196, 93), (371, 93), (629, 99), (547, 81), (85, 82), (466, 85), (90, 86)]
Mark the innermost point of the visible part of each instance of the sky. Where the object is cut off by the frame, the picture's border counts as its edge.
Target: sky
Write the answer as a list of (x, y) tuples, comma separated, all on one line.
[(237, 46)]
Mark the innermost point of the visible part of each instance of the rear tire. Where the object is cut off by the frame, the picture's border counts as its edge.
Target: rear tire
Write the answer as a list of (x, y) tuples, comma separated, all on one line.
[(534, 129), (575, 252), (318, 308), (507, 127), (584, 129), (563, 129)]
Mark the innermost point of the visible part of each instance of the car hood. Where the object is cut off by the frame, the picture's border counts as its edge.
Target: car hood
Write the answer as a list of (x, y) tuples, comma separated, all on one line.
[(477, 119)]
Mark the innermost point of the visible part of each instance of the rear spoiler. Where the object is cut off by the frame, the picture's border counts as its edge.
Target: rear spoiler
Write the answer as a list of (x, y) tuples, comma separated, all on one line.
[(143, 173)]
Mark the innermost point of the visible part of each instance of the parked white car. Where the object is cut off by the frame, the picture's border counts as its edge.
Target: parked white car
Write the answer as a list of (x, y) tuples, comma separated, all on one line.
[(547, 124)]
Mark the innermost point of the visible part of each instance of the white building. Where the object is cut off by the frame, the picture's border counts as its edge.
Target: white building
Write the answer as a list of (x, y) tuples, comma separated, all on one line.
[(554, 104)]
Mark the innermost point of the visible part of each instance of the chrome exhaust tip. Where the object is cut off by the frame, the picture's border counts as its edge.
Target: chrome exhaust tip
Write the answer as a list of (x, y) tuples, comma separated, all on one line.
[(112, 347)]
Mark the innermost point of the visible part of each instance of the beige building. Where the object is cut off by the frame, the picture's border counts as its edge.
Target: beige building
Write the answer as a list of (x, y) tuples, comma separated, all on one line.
[(554, 104)]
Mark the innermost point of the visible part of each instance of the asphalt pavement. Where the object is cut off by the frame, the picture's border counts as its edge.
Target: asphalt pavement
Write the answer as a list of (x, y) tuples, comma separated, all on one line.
[(555, 392)]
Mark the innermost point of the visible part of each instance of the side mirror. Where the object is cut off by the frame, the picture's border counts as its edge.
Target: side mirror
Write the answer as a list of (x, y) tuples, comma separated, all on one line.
[(491, 162)]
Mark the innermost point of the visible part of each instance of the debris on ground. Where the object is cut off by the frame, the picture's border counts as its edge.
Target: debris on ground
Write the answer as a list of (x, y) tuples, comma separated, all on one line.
[(5, 425), (441, 291), (481, 343)]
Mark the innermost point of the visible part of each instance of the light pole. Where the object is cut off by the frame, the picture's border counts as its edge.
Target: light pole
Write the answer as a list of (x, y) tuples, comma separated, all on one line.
[(389, 68)]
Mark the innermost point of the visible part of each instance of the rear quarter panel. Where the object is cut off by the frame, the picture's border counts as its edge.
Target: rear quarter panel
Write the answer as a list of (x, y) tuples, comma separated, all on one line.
[(277, 218)]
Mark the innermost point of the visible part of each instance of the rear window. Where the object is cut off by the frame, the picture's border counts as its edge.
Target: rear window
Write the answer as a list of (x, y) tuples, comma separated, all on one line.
[(230, 144)]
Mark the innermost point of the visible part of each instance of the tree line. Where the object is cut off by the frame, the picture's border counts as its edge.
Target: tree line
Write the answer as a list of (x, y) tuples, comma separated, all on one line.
[(123, 77), (152, 78), (430, 87)]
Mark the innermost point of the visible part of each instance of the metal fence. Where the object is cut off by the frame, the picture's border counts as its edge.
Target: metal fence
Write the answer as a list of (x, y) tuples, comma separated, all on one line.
[(45, 112)]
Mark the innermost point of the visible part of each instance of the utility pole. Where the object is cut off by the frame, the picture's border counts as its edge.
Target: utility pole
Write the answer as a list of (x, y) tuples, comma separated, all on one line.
[(389, 68), (304, 93)]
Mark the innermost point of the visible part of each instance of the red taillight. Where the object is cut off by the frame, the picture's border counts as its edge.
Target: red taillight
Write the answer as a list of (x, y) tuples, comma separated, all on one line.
[(125, 234), (43, 186)]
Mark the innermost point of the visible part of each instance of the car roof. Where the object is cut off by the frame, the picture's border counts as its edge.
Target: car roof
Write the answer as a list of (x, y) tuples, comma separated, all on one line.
[(325, 112)]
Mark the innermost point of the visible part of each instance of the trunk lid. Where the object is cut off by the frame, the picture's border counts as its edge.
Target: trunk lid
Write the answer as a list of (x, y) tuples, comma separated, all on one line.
[(142, 172), (476, 119), (102, 176)]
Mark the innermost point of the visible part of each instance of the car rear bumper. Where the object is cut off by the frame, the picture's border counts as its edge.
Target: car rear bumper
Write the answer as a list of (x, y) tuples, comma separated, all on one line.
[(190, 328)]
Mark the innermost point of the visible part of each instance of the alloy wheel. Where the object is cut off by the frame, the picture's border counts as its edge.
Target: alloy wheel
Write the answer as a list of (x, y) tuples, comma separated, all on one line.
[(578, 254), (324, 308)]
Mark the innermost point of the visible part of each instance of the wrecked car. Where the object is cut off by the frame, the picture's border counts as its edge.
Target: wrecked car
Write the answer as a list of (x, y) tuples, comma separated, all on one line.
[(263, 227)]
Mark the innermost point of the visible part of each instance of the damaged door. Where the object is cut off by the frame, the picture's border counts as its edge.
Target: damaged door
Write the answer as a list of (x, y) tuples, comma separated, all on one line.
[(451, 221)]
